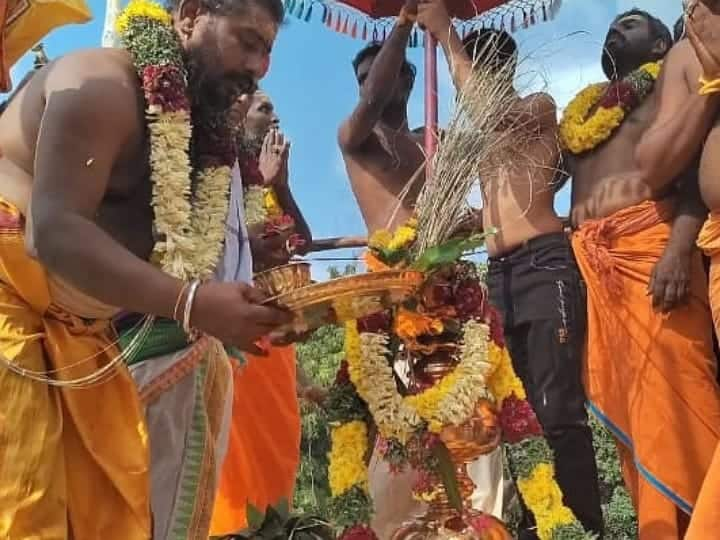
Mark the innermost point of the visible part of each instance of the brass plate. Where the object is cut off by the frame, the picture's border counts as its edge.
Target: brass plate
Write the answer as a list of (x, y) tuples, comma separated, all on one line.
[(343, 299)]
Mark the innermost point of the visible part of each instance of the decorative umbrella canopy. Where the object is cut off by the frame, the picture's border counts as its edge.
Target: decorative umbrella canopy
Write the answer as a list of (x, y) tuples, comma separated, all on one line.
[(373, 19)]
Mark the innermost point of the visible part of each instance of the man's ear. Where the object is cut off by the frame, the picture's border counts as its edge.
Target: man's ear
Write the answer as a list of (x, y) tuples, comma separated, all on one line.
[(185, 16), (660, 48)]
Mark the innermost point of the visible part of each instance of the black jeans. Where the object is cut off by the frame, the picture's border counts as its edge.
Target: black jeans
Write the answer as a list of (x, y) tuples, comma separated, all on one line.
[(542, 298)]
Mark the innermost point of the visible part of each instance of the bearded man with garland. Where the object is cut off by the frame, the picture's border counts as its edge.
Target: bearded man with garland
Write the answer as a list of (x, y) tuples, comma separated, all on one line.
[(83, 209), (649, 366)]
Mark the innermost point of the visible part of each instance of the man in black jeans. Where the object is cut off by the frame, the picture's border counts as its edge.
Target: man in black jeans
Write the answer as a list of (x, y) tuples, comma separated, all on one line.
[(533, 278), (538, 289)]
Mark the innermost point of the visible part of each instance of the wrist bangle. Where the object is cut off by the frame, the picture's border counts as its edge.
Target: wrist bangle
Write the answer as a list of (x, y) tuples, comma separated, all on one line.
[(177, 302), (708, 87), (189, 305)]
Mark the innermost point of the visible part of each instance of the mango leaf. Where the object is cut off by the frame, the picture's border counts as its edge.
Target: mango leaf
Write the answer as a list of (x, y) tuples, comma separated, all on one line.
[(450, 251), (255, 517), (283, 508), (446, 470)]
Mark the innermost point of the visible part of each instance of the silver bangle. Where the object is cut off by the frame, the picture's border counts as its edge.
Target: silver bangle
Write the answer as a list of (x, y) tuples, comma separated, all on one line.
[(189, 305)]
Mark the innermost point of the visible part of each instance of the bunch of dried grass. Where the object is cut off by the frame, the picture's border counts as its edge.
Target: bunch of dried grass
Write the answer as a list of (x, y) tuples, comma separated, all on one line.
[(482, 127)]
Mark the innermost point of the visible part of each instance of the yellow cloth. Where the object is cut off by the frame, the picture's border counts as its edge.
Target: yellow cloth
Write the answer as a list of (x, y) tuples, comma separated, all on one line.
[(73, 462), (706, 516), (26, 22), (650, 377), (709, 242)]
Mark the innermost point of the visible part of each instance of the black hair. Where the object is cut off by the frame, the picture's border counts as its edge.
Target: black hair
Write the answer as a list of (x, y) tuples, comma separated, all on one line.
[(371, 50), (679, 29), (224, 7), (490, 47), (658, 30)]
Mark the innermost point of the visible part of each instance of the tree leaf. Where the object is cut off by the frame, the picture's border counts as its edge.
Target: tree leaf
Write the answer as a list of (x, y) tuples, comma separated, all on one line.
[(255, 517), (446, 470), (283, 508)]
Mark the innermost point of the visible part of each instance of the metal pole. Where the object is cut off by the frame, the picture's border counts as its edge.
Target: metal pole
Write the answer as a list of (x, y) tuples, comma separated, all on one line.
[(431, 99)]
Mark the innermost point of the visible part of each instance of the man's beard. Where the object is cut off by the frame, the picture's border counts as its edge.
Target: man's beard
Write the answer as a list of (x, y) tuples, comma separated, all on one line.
[(249, 143), (211, 95)]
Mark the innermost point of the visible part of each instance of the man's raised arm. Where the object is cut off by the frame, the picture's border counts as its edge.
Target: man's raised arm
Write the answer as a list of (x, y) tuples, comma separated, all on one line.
[(683, 119), (434, 16), (376, 90)]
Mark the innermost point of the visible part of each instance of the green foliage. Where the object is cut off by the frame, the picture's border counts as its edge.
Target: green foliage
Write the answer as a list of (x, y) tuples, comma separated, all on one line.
[(351, 508), (320, 358), (277, 523), (574, 531), (620, 520), (343, 404)]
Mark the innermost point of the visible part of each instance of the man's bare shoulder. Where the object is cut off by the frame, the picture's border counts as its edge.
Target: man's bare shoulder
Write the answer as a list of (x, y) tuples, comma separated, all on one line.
[(105, 75), (682, 60), (539, 102), (97, 87)]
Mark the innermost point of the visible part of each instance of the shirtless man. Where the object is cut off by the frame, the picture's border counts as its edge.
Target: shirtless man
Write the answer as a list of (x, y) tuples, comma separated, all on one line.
[(649, 360), (384, 159), (532, 276), (75, 188), (687, 123)]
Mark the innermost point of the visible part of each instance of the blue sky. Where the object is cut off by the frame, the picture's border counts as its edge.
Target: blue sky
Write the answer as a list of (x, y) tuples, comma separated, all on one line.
[(312, 84)]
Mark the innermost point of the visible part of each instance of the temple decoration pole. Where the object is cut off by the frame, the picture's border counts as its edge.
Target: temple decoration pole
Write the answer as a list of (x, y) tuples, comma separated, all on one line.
[(431, 100), (109, 36)]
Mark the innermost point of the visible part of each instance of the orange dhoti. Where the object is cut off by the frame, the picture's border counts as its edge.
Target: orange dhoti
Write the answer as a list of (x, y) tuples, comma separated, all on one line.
[(73, 461), (706, 516), (649, 377), (264, 448)]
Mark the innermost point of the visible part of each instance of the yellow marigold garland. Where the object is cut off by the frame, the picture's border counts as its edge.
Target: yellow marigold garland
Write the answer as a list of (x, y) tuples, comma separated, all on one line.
[(543, 497), (349, 448), (503, 381), (580, 131), (404, 235), (141, 9)]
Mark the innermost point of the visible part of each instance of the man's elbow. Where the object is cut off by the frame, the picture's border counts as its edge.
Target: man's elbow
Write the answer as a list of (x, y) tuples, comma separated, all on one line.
[(348, 139), (646, 164), (48, 234)]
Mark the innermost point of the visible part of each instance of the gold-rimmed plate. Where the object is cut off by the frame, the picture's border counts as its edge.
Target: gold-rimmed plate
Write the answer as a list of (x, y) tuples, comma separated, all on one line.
[(347, 298)]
